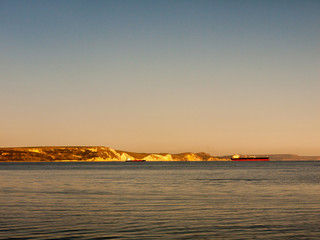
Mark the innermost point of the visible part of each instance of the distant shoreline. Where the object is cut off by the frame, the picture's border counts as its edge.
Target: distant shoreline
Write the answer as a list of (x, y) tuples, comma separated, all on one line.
[(106, 154)]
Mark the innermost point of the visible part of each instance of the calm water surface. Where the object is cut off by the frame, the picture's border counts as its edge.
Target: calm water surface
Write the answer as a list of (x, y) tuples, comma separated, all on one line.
[(162, 200)]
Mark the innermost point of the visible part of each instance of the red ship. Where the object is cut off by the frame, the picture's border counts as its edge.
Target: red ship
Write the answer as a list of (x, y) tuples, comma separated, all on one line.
[(237, 157)]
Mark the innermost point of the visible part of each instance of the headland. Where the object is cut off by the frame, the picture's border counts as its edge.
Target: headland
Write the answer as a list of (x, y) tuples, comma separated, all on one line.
[(105, 154)]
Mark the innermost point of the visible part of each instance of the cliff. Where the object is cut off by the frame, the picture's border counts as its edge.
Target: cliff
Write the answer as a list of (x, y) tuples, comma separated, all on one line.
[(60, 154), (53, 154)]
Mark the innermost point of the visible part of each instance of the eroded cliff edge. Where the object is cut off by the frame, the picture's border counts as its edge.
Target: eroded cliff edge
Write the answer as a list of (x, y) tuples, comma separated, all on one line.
[(61, 154), (53, 154)]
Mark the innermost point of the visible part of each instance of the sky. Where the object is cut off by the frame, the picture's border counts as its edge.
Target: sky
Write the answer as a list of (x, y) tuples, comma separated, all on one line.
[(220, 77)]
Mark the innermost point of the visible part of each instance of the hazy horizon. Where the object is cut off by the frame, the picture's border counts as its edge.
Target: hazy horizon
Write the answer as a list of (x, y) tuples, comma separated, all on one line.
[(221, 77)]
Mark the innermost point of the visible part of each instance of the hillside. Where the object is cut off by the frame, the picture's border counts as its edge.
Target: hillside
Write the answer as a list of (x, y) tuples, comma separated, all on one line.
[(292, 157), (59, 154), (53, 154)]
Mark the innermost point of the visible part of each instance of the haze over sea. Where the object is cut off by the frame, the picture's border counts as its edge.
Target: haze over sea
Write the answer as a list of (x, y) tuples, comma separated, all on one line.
[(215, 76), (160, 200), (162, 76)]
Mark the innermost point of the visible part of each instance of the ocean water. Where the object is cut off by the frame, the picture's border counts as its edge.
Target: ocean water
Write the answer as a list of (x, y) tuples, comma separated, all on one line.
[(160, 200)]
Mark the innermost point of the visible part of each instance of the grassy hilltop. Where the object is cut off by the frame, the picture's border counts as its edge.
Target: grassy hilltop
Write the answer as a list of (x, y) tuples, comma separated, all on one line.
[(54, 154)]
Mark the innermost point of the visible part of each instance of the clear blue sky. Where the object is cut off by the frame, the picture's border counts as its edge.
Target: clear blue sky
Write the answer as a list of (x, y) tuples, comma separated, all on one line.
[(162, 76)]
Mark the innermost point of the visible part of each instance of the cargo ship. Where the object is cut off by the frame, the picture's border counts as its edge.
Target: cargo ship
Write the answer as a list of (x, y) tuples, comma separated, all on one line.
[(237, 157)]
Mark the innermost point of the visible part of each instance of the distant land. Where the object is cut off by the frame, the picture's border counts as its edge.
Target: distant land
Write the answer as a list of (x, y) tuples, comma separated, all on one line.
[(86, 153)]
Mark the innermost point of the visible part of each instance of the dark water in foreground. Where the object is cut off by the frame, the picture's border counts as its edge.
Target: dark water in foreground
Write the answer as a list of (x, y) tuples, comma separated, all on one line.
[(176, 200)]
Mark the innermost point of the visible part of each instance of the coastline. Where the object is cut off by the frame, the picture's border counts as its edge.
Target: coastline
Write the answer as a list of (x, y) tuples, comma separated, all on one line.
[(106, 154)]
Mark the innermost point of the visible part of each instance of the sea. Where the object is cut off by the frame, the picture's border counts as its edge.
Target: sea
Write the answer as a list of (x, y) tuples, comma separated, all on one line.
[(160, 200)]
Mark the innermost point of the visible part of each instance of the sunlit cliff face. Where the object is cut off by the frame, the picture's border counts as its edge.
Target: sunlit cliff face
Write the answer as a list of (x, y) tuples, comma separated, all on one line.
[(93, 154)]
